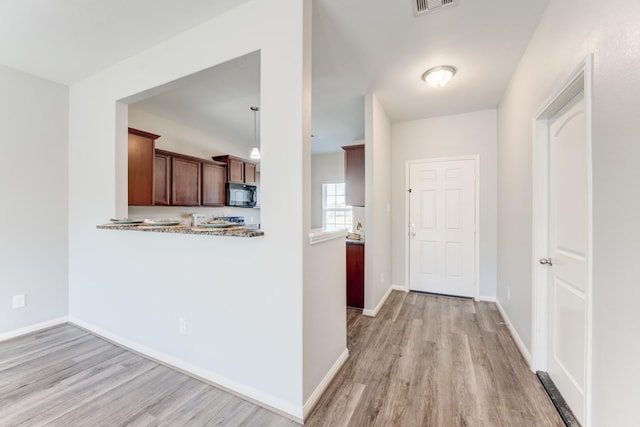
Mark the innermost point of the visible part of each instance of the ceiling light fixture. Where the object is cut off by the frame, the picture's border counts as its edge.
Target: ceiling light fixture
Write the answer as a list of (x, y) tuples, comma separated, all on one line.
[(439, 76), (255, 151)]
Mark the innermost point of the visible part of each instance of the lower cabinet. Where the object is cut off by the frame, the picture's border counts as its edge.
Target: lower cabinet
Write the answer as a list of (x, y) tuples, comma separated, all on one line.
[(355, 275)]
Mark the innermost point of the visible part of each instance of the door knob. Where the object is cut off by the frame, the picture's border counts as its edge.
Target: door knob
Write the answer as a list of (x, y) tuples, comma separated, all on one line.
[(546, 261)]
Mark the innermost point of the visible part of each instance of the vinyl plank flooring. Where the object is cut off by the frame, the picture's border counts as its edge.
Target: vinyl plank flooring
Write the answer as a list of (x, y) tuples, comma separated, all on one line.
[(429, 360), (423, 361), (64, 376)]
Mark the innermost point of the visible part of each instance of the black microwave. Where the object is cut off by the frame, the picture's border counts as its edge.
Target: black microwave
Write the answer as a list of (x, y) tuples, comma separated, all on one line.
[(241, 195)]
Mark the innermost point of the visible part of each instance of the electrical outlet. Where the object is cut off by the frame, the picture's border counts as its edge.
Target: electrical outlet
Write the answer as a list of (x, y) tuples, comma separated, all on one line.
[(19, 301), (182, 326), (508, 293)]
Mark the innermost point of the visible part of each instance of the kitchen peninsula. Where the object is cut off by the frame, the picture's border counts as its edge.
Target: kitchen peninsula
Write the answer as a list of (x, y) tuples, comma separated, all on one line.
[(184, 229), (159, 181)]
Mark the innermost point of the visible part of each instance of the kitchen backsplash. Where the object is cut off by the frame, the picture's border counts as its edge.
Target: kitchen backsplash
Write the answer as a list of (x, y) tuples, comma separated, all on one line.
[(251, 216), (358, 212)]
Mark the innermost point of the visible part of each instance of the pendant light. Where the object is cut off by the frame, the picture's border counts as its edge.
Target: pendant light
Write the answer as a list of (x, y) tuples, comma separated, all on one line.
[(255, 151)]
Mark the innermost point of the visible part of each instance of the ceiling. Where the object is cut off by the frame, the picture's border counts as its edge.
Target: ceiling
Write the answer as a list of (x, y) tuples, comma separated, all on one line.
[(216, 100), (69, 40), (359, 47)]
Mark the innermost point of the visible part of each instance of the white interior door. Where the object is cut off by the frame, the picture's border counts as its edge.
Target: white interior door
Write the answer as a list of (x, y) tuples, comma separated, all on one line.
[(442, 227), (568, 228)]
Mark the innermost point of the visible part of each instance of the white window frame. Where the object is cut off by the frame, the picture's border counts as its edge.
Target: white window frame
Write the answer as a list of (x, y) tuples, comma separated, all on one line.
[(325, 209)]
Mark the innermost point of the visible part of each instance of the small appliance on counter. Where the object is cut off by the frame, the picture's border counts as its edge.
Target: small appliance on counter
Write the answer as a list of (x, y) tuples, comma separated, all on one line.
[(198, 219), (239, 220)]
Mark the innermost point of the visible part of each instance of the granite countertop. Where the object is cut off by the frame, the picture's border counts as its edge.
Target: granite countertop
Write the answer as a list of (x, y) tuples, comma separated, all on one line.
[(355, 242), (183, 229), (319, 235)]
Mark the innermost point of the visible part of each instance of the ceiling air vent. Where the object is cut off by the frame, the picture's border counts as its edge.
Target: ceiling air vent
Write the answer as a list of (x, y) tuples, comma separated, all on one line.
[(430, 6)]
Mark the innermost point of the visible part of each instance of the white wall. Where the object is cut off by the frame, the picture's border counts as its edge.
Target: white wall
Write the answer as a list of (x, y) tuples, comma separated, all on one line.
[(569, 30), (325, 311), (33, 173), (324, 168), (324, 331), (242, 298), (447, 136), (180, 138), (377, 223)]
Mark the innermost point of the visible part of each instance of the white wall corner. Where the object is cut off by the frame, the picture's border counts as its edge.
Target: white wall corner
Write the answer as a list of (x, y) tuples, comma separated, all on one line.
[(374, 312), (317, 393), (253, 395), (33, 328), (514, 334)]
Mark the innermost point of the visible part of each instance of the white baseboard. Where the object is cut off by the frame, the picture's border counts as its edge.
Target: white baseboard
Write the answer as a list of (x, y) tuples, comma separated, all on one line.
[(399, 288), (488, 299), (258, 397), (374, 312), (514, 334), (33, 328), (317, 393)]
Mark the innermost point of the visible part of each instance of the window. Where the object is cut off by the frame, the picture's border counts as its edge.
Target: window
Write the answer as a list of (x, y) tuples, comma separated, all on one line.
[(335, 212)]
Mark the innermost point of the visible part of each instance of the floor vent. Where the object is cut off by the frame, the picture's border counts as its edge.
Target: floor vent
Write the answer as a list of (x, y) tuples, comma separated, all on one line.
[(561, 405), (429, 6)]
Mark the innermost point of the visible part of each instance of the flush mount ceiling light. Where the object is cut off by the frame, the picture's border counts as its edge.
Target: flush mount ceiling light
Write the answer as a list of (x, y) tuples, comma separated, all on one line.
[(439, 76), (255, 151)]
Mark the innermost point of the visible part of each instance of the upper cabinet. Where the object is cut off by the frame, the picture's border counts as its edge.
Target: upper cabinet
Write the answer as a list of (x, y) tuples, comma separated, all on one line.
[(239, 170), (185, 181), (141, 166), (250, 173), (214, 176), (354, 174), (235, 170), (163, 178)]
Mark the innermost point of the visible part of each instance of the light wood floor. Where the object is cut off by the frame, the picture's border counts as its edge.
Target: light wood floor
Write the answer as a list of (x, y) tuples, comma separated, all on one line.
[(433, 361), (66, 377), (424, 361)]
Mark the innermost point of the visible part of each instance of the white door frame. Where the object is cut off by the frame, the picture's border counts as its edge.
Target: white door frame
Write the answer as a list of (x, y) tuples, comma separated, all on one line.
[(580, 79), (407, 213)]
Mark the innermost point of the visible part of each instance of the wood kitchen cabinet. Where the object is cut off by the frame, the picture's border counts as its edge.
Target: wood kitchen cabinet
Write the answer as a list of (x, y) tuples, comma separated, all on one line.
[(355, 275), (239, 170), (162, 178), (214, 176), (185, 181), (141, 158), (236, 171), (354, 174), (250, 173)]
